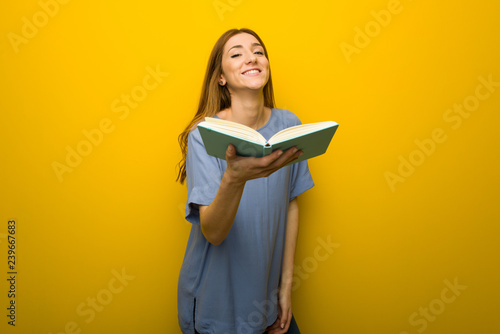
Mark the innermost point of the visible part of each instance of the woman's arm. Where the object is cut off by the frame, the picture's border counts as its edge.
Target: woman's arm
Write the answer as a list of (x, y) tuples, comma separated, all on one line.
[(285, 289), (217, 218)]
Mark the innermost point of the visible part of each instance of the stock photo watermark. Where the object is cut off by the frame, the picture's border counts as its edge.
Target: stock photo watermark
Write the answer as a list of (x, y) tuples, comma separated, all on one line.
[(454, 117), (121, 106), (31, 26), (96, 304), (223, 6), (420, 319), (12, 271), (373, 28), (322, 252)]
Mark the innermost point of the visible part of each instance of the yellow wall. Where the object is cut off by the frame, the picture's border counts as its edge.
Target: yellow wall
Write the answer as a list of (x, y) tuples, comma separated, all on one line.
[(406, 198)]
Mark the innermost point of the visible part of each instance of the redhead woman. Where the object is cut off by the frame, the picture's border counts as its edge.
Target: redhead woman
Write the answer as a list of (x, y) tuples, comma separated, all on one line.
[(236, 277)]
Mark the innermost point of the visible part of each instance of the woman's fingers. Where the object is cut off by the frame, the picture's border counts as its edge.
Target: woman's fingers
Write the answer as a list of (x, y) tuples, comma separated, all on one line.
[(282, 324), (252, 168), (230, 152), (279, 158), (285, 321), (277, 329), (275, 326), (286, 157)]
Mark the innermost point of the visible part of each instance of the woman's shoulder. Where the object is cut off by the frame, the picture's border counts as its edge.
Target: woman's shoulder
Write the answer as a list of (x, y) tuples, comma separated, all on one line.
[(288, 117), (194, 134)]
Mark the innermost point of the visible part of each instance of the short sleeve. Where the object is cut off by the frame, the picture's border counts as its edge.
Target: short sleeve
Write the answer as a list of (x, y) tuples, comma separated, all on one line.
[(301, 179), (203, 176)]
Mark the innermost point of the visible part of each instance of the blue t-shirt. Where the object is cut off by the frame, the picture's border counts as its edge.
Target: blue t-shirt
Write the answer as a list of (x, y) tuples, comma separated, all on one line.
[(231, 288)]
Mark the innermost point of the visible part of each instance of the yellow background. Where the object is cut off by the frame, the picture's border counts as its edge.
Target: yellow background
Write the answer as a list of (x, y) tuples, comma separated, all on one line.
[(121, 209)]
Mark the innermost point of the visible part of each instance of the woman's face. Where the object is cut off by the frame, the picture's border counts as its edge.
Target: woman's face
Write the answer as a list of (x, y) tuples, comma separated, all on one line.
[(244, 65)]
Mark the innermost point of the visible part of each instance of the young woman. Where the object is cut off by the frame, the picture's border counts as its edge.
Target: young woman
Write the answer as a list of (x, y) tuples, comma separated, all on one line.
[(237, 273)]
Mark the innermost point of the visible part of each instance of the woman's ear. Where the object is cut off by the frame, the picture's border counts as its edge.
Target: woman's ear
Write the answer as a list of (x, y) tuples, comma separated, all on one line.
[(222, 81)]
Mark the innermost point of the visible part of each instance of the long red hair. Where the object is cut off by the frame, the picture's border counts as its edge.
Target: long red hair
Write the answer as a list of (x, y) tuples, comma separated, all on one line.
[(214, 97)]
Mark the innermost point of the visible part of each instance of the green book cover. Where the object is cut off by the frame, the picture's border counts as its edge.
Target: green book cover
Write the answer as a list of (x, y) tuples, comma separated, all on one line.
[(313, 139)]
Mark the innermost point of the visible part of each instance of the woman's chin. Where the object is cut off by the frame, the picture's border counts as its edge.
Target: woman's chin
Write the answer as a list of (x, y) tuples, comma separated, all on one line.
[(256, 86)]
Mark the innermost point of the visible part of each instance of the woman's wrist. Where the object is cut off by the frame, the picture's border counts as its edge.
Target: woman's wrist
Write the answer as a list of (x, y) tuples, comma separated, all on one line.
[(231, 180), (286, 284)]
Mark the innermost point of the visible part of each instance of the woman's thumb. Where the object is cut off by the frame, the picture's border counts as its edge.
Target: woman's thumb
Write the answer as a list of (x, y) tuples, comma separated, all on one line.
[(230, 152)]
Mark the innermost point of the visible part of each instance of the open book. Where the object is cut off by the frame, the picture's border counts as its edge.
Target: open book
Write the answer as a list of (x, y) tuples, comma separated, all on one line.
[(313, 139)]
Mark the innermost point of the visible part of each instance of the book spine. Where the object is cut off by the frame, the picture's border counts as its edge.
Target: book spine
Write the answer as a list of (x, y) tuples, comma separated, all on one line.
[(267, 149)]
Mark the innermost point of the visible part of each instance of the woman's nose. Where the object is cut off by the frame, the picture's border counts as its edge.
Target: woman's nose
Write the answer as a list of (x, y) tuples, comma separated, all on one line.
[(251, 58)]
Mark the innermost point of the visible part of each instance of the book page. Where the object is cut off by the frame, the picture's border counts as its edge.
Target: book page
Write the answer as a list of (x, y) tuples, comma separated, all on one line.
[(299, 130), (234, 129)]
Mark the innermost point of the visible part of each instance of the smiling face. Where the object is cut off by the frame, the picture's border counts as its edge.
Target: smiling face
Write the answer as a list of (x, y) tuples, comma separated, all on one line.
[(244, 64)]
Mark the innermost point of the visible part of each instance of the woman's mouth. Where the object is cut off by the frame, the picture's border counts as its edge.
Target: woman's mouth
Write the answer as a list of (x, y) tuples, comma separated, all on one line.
[(251, 73)]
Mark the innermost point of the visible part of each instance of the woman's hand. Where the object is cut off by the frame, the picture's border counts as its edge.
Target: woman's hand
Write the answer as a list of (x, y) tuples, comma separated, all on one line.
[(241, 169), (282, 324), (217, 218)]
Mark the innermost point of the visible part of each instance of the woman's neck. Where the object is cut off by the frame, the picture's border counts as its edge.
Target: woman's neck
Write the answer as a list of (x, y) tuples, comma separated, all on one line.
[(247, 111)]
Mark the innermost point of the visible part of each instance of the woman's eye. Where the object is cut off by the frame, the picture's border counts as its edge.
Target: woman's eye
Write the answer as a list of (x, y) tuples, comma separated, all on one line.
[(239, 54)]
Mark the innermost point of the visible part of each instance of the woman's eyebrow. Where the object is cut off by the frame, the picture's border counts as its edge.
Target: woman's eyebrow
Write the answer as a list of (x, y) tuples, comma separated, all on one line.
[(240, 46)]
